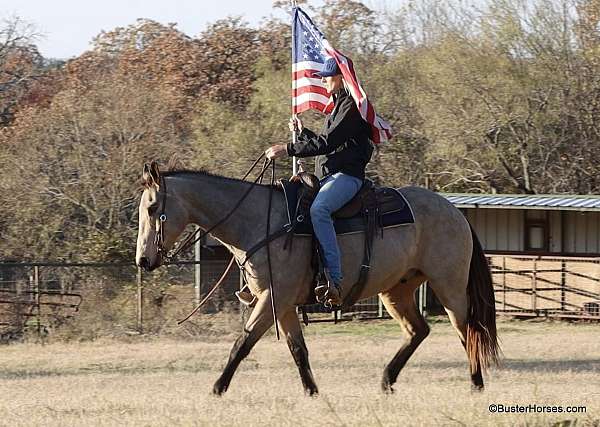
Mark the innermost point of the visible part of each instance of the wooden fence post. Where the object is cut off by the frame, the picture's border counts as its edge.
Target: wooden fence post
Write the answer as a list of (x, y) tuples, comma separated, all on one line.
[(534, 287), (36, 290), (140, 301), (563, 284), (244, 309), (503, 283), (197, 271)]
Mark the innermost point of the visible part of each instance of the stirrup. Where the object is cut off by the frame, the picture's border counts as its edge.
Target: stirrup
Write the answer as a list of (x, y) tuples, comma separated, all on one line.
[(323, 283), (329, 293), (246, 297), (321, 292)]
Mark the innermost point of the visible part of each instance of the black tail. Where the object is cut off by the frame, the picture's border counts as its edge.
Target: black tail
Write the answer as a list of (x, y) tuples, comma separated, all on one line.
[(482, 339)]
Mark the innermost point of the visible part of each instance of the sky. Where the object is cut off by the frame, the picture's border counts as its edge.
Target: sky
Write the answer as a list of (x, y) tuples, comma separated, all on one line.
[(68, 26)]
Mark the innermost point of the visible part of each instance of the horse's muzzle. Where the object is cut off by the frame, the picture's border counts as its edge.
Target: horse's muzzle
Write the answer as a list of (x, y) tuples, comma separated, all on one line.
[(144, 263)]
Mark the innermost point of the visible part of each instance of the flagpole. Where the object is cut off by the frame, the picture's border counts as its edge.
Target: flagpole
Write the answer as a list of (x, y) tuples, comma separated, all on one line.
[(294, 133)]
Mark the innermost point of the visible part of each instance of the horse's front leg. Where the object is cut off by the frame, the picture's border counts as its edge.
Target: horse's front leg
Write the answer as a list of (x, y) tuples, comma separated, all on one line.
[(290, 326), (259, 322)]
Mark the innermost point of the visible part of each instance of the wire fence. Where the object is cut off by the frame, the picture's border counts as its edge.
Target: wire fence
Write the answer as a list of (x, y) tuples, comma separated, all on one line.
[(92, 299), (565, 287), (99, 298)]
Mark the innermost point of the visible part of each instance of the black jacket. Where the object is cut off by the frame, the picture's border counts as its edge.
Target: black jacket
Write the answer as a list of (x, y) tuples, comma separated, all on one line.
[(344, 145)]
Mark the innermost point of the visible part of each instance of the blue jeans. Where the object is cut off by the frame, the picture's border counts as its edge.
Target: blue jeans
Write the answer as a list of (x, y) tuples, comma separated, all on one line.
[(336, 190)]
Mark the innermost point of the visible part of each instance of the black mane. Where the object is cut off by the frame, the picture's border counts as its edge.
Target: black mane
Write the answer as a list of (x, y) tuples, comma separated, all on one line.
[(204, 172)]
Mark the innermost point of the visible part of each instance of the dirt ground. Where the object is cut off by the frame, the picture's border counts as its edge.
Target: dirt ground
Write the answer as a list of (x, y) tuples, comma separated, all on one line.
[(164, 382)]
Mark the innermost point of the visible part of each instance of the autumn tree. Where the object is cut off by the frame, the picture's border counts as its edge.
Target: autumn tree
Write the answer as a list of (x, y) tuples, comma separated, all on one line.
[(20, 63)]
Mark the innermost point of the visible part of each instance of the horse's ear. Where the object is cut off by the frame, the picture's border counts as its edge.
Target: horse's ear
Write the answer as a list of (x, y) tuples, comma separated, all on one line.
[(154, 172), (151, 174)]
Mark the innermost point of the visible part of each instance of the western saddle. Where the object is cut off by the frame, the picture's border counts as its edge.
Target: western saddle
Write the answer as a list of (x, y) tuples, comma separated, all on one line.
[(371, 210)]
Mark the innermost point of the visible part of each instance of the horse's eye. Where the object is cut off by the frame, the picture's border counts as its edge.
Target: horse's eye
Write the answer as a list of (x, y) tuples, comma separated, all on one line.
[(152, 209)]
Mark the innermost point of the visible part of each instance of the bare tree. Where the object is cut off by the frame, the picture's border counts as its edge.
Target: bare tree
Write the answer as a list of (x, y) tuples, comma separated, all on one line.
[(20, 62)]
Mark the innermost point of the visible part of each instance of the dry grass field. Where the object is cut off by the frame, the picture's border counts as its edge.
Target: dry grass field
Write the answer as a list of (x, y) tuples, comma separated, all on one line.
[(165, 382)]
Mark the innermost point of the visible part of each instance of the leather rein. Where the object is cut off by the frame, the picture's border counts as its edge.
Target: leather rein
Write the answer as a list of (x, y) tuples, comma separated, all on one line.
[(198, 234)]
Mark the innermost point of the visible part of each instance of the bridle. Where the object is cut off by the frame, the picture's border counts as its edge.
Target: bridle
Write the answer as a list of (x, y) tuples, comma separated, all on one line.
[(197, 235), (159, 238)]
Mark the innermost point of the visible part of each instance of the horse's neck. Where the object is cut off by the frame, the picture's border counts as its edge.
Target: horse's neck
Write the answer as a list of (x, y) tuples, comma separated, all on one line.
[(208, 199)]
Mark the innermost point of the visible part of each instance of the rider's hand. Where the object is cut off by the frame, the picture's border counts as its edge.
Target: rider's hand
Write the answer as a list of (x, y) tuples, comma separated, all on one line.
[(276, 151), (295, 124)]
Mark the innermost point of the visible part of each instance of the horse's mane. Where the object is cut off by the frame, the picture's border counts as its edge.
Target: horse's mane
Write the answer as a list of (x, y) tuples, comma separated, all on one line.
[(204, 172)]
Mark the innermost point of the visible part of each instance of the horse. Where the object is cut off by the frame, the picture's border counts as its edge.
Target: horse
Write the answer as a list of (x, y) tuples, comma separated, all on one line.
[(440, 247)]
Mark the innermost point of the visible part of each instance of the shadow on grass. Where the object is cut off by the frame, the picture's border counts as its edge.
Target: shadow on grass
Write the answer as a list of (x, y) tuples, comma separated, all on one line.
[(101, 369), (521, 365)]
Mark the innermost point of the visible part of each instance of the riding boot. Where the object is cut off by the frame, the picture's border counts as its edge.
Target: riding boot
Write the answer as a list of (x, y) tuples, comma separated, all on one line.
[(333, 297), (329, 293)]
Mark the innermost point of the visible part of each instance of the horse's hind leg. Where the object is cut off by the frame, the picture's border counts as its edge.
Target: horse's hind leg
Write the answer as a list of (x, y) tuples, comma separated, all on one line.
[(400, 303), (456, 304), (258, 323), (457, 313), (290, 326)]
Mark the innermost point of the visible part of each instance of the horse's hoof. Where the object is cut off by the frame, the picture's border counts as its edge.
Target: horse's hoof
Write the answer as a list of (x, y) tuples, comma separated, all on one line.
[(219, 389), (312, 391), (386, 387), (477, 388)]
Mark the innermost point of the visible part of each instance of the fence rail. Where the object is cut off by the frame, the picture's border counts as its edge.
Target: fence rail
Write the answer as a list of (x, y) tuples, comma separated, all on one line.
[(43, 295), (547, 286)]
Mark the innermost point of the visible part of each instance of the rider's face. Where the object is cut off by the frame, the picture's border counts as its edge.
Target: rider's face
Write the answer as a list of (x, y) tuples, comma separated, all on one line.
[(333, 83)]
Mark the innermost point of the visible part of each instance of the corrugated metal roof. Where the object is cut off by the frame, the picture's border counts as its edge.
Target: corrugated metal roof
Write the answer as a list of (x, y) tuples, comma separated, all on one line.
[(526, 201)]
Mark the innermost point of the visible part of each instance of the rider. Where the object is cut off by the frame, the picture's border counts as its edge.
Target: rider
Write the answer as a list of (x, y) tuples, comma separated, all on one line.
[(343, 148)]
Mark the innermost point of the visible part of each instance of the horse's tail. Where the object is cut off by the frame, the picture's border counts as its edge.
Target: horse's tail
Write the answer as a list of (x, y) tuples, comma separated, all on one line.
[(482, 340)]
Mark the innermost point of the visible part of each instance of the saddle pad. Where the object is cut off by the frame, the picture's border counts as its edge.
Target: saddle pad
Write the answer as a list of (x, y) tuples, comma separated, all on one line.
[(355, 224)]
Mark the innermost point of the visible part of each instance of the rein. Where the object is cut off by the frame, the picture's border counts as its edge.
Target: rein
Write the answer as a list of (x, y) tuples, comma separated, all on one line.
[(209, 294), (197, 235)]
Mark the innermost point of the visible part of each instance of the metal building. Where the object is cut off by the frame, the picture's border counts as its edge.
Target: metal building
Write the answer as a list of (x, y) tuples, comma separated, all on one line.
[(534, 224), (544, 251)]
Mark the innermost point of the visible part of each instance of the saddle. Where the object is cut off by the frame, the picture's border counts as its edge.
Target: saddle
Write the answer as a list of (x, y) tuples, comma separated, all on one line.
[(371, 210), (386, 206)]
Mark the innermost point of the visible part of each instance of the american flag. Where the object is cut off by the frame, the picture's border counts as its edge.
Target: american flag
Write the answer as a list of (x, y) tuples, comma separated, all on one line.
[(310, 50)]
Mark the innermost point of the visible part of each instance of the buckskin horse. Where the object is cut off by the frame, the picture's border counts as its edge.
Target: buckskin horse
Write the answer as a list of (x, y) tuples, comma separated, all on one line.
[(440, 247)]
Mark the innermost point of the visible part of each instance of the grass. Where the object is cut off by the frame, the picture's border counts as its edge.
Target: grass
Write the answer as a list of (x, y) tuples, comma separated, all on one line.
[(165, 382)]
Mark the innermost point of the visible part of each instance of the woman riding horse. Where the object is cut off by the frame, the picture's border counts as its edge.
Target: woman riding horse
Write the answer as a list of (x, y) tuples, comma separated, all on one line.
[(343, 148)]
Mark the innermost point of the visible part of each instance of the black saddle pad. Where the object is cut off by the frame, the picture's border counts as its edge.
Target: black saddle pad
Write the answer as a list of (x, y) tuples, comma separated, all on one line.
[(355, 224)]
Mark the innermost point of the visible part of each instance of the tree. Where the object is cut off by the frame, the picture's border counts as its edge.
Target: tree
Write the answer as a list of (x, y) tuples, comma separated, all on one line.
[(73, 168), (20, 62)]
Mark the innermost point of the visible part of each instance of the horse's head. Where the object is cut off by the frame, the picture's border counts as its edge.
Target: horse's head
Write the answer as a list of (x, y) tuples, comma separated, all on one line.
[(161, 219)]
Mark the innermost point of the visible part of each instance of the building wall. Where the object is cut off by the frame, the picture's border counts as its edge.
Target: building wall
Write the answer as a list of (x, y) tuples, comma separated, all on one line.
[(554, 217), (504, 229), (498, 229), (582, 232)]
